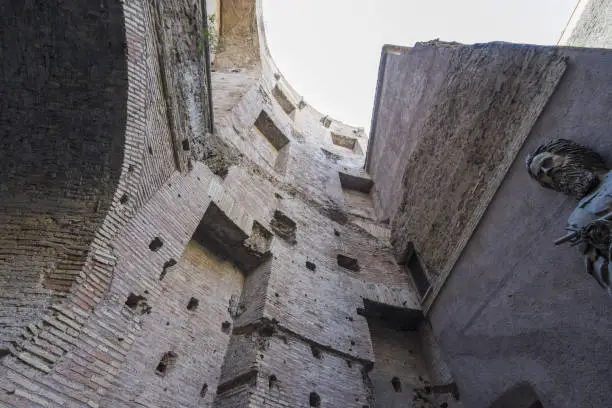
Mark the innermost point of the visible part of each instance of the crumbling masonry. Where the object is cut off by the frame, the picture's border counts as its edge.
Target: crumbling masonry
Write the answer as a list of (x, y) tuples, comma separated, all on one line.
[(179, 228)]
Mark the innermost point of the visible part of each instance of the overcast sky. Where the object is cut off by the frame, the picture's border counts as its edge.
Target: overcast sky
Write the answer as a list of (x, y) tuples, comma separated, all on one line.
[(329, 50)]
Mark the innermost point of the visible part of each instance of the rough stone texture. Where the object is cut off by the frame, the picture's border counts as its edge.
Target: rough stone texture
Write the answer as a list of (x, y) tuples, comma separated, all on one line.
[(101, 343), (517, 309), (251, 229), (517, 321), (58, 327), (239, 41), (590, 25), (408, 368), (170, 326), (463, 129)]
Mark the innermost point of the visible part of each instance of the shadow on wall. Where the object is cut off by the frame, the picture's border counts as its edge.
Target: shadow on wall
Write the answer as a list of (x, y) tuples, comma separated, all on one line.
[(520, 396), (63, 107)]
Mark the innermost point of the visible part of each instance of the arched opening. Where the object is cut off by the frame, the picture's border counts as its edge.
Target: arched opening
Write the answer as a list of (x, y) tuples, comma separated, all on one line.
[(314, 399), (520, 396), (397, 384)]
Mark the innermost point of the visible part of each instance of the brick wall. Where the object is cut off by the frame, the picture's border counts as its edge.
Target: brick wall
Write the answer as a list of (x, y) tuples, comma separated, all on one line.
[(103, 344), (63, 137)]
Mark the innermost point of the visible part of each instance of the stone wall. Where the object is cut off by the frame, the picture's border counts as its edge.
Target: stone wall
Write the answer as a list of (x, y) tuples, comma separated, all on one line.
[(590, 25), (516, 309), (452, 138), (42, 358), (228, 269), (512, 312)]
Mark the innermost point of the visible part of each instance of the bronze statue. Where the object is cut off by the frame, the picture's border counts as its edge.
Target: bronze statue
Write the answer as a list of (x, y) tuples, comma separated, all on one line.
[(578, 171)]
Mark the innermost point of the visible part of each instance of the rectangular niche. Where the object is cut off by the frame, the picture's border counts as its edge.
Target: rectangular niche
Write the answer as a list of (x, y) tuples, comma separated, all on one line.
[(273, 146), (283, 101), (284, 227), (268, 129), (392, 317), (346, 142), (351, 182), (400, 368), (356, 194), (416, 270), (220, 235), (352, 264)]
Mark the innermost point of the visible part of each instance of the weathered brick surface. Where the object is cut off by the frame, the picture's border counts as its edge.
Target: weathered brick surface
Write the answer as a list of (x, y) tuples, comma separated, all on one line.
[(93, 349), (63, 135), (299, 373)]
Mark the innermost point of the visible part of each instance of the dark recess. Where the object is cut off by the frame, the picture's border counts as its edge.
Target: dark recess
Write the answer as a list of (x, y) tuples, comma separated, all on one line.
[(225, 326), (156, 244), (314, 400), (138, 304), (193, 304), (415, 268), (218, 233), (272, 381), (348, 262), (167, 362), (397, 318), (397, 385), (168, 264), (284, 227)]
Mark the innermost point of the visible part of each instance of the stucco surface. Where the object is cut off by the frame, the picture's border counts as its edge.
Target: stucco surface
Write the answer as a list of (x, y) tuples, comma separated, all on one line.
[(456, 137), (516, 309), (593, 27)]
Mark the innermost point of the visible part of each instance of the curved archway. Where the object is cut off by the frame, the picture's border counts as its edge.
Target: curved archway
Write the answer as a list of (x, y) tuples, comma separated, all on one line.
[(63, 106), (519, 396)]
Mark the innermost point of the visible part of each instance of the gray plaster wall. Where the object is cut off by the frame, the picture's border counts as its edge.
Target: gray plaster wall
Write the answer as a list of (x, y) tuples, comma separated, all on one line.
[(590, 26), (390, 146), (516, 309), (451, 118)]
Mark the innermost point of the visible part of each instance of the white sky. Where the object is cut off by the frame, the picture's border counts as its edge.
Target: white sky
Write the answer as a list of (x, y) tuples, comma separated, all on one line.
[(329, 50)]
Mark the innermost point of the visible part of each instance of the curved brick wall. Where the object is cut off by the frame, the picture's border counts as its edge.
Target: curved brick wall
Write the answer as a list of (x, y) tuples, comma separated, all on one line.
[(63, 117), (215, 278)]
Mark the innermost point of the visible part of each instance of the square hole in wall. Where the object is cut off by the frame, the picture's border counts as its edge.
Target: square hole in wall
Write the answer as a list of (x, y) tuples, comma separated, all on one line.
[(415, 268), (348, 263), (193, 304), (393, 317), (270, 131), (346, 142), (283, 101), (273, 146), (353, 182), (166, 363), (219, 234), (356, 194), (284, 227)]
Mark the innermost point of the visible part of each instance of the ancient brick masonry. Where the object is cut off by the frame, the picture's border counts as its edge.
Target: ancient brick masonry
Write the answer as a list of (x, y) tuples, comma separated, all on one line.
[(152, 259)]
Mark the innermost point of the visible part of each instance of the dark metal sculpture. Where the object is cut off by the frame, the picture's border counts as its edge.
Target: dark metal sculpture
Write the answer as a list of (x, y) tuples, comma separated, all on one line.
[(578, 171)]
